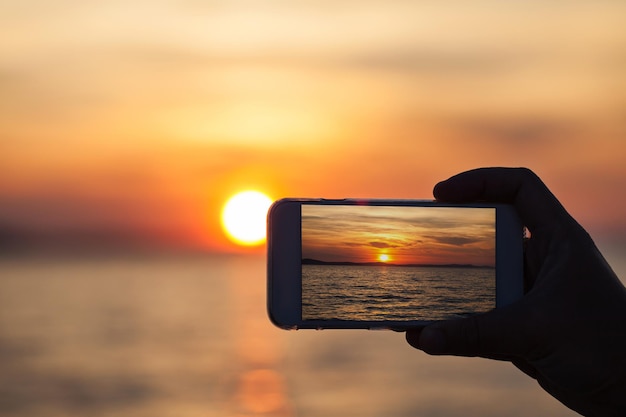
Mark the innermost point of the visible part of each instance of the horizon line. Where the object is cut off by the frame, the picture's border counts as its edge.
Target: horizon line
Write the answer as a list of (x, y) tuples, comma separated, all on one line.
[(312, 261)]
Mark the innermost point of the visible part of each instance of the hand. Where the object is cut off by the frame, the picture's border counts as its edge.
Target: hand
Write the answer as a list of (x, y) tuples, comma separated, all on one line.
[(569, 330)]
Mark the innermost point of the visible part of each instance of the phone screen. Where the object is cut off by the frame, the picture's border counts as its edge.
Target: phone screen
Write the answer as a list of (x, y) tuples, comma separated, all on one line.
[(378, 263)]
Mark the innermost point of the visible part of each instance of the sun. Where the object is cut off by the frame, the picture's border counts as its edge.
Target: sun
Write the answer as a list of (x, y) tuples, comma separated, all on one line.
[(244, 217), (383, 257)]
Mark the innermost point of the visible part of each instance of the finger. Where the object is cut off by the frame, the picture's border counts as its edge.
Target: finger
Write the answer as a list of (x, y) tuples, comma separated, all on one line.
[(498, 334), (413, 338), (535, 204), (526, 367)]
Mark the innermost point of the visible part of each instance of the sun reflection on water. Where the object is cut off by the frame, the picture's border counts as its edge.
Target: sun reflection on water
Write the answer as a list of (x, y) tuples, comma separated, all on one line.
[(261, 388), (262, 391)]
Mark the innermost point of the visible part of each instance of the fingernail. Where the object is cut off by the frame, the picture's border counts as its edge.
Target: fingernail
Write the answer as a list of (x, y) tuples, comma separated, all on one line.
[(432, 340), (437, 189), (413, 337)]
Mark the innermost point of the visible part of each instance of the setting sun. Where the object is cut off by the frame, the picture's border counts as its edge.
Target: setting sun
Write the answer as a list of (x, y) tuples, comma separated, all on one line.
[(243, 217), (383, 257)]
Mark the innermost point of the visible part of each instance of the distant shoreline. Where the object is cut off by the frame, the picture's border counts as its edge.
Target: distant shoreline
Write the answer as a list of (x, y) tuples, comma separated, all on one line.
[(309, 261)]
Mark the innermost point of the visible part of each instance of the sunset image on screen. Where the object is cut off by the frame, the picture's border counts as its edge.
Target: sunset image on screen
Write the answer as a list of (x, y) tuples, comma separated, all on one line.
[(377, 263)]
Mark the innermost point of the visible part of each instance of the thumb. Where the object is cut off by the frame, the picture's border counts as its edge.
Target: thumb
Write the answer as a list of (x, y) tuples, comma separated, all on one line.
[(456, 337), (492, 335)]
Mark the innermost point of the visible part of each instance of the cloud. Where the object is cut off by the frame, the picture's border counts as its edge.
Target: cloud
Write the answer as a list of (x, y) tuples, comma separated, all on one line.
[(454, 240), (394, 243), (429, 60), (522, 131), (381, 245)]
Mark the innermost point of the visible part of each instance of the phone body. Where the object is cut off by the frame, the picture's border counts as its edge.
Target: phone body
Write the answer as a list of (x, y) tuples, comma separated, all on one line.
[(389, 264)]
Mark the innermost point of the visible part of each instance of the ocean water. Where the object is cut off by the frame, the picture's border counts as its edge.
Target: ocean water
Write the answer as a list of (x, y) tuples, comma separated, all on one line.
[(357, 292), (190, 337)]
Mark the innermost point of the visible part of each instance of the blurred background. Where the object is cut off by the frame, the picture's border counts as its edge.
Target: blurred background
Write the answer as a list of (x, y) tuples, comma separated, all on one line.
[(125, 126)]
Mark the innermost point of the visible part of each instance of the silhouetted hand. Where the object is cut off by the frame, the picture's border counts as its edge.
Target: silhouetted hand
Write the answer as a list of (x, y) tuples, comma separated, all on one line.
[(569, 330)]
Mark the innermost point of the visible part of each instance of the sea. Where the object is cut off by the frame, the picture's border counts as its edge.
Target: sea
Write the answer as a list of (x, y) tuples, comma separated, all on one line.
[(391, 292), (188, 336)]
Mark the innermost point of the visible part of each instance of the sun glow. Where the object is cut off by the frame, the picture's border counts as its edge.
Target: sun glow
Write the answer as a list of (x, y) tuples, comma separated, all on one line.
[(383, 257), (244, 217)]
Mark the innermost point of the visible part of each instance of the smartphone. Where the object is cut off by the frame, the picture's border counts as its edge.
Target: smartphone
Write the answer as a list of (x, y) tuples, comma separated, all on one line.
[(389, 264)]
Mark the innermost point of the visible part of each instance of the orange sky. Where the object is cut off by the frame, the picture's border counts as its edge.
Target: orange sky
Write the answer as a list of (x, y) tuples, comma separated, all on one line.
[(129, 124), (408, 235)]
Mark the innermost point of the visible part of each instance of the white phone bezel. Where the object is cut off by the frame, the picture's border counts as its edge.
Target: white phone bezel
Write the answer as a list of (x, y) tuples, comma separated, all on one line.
[(284, 261)]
